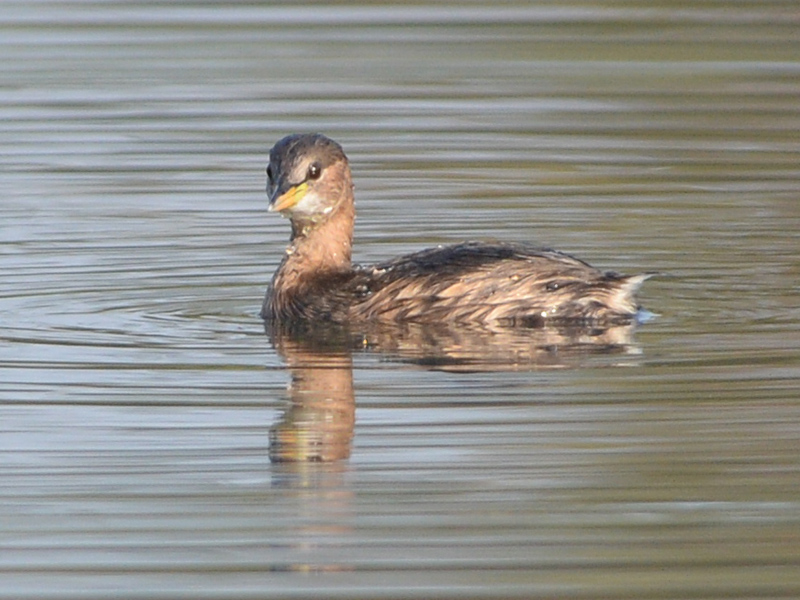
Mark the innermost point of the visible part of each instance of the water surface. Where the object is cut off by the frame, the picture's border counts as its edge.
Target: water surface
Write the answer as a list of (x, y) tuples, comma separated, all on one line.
[(146, 419)]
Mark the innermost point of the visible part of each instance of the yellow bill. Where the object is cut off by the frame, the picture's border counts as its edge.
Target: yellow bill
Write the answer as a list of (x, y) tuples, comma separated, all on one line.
[(289, 198)]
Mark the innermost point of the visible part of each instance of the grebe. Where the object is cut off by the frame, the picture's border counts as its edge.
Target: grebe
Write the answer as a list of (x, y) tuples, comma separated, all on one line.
[(309, 181)]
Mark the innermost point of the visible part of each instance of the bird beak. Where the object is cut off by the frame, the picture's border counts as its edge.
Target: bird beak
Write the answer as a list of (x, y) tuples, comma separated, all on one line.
[(286, 199)]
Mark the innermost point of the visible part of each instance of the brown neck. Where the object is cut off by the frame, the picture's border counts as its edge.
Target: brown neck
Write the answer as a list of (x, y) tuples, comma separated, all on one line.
[(319, 246), (324, 246)]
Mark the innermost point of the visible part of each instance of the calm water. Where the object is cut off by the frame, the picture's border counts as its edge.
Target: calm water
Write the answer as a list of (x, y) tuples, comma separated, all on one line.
[(148, 426)]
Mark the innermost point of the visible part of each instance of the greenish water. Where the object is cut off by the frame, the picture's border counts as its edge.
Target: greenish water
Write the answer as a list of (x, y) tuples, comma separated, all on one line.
[(143, 408)]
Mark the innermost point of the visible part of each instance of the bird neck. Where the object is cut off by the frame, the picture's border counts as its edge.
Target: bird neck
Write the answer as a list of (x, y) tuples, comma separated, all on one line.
[(325, 245)]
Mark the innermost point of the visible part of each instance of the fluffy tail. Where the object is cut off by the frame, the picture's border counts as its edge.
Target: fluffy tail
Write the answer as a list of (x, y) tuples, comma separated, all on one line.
[(624, 296)]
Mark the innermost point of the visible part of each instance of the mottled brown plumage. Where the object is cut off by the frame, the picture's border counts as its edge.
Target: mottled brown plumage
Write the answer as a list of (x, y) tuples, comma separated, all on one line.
[(309, 181)]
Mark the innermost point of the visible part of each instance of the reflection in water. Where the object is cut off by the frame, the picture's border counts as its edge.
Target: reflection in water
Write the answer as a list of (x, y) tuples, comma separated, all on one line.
[(316, 427), (322, 512), (318, 424), (471, 349)]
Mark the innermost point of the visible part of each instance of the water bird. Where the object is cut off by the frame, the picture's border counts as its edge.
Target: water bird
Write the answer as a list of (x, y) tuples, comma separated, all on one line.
[(493, 283)]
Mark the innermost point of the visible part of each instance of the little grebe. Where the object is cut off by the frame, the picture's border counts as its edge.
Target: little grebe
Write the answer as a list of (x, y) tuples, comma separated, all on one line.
[(309, 182)]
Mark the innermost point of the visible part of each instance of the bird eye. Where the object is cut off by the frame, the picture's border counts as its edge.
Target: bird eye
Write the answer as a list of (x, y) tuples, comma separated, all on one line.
[(314, 171)]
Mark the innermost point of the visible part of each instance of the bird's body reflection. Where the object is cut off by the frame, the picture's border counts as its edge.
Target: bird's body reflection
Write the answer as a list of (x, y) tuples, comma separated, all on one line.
[(317, 425), (319, 420)]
